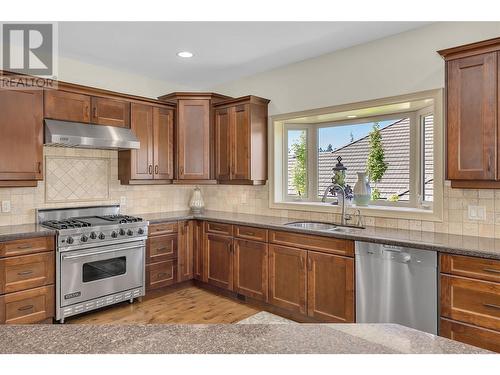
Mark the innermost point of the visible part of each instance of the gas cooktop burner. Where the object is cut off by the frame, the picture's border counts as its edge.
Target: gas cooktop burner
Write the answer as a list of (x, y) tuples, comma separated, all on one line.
[(90, 221), (66, 224), (122, 219)]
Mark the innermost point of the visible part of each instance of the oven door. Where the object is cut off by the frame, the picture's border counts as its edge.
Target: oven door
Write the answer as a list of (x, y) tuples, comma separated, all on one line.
[(100, 271)]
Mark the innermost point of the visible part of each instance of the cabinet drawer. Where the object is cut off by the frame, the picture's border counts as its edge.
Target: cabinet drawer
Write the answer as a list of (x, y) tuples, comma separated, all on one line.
[(250, 233), (26, 246), (471, 301), (27, 271), (477, 268), (161, 274), (161, 248), (476, 336), (219, 228), (311, 242), (162, 228), (29, 306)]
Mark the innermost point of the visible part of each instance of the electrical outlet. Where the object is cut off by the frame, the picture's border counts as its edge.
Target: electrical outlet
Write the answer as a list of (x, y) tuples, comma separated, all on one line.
[(477, 213), (123, 201), (5, 206)]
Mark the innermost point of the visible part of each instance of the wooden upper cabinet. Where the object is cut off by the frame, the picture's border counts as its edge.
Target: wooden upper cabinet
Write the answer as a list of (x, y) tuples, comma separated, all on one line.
[(330, 287), (163, 137), (251, 268), (142, 159), (288, 278), (21, 140), (222, 142), (113, 112), (193, 139), (66, 106), (241, 140), (472, 136), (219, 260)]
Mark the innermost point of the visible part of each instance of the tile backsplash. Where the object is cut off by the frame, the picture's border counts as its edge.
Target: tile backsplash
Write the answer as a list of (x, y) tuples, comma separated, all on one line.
[(78, 177)]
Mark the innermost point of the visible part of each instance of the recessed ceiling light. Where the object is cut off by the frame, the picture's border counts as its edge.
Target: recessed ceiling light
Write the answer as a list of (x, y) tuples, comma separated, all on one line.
[(351, 116), (185, 54)]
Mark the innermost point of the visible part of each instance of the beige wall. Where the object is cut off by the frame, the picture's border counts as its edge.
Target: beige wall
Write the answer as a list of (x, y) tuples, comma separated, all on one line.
[(401, 64)]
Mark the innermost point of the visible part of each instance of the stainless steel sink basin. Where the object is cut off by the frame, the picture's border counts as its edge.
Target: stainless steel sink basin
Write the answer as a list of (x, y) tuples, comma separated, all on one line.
[(320, 226)]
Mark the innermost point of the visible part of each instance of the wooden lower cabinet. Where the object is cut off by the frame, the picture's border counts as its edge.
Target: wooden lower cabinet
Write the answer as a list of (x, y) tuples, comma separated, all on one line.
[(185, 250), (251, 268), (288, 278), (161, 248), (27, 306), (469, 334), (330, 287), (198, 251), (162, 274), (219, 260)]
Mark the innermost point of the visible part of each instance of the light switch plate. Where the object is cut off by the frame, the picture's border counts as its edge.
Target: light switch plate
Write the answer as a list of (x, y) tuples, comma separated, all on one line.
[(123, 201), (5, 206), (477, 213)]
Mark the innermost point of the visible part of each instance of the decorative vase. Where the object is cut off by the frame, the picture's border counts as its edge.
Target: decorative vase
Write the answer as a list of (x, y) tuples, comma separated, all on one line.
[(196, 203), (362, 190)]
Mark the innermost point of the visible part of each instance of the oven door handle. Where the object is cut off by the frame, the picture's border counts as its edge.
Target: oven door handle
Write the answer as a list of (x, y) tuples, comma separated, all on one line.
[(64, 257)]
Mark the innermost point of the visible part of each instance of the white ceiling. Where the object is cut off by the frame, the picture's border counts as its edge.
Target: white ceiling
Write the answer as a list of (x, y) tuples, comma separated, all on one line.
[(224, 51)]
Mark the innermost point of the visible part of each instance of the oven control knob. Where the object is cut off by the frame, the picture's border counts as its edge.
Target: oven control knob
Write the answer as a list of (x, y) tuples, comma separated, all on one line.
[(130, 232), (70, 240), (93, 235), (102, 236), (84, 238), (114, 234), (122, 232), (140, 231)]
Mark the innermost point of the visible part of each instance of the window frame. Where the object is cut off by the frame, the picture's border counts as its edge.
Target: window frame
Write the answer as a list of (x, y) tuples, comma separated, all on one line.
[(432, 213)]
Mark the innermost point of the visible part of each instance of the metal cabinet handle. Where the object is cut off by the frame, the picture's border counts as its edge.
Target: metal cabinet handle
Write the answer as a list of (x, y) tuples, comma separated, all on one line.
[(64, 257), (24, 273), (302, 262), (24, 308), (156, 169), (161, 249), (493, 306), (95, 112), (23, 247), (161, 274), (39, 167), (181, 171), (150, 169), (492, 270)]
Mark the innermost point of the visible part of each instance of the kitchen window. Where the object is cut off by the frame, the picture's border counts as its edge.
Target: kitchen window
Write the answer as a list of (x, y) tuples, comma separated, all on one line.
[(306, 148)]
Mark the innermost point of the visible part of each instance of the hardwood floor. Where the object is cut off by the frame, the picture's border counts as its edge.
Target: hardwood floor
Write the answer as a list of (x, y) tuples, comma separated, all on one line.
[(187, 305)]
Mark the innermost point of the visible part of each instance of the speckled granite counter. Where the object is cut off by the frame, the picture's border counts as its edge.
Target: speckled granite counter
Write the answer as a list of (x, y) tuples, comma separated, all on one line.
[(16, 232), (441, 242), (225, 338)]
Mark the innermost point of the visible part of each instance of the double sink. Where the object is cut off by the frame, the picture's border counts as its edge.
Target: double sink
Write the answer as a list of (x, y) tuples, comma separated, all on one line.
[(322, 227)]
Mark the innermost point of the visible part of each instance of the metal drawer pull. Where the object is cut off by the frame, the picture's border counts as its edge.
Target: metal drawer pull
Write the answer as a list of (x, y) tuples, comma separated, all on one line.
[(24, 273), (162, 249), (492, 270), (493, 306), (24, 308), (249, 233), (99, 252), (161, 274), (25, 247)]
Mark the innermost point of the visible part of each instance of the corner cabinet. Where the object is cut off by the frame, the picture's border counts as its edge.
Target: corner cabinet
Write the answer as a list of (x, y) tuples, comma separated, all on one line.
[(472, 135), (153, 162), (241, 141), (21, 141)]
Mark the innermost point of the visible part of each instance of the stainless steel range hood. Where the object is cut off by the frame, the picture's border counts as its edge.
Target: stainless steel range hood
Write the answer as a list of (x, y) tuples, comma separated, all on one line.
[(76, 134)]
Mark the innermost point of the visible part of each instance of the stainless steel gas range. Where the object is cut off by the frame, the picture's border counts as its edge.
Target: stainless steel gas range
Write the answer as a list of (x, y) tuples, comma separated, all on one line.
[(100, 257)]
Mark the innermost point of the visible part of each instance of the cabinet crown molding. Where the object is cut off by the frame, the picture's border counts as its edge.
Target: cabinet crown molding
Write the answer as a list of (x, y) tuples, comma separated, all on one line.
[(471, 49)]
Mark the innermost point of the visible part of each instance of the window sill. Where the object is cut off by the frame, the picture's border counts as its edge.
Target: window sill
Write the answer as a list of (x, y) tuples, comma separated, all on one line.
[(410, 213)]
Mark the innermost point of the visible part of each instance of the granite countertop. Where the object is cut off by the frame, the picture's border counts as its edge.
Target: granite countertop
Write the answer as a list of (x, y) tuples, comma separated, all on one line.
[(225, 339), (448, 243), (16, 232)]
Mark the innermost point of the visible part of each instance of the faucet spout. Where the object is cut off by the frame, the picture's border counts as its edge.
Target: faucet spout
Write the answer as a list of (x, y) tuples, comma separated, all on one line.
[(336, 187)]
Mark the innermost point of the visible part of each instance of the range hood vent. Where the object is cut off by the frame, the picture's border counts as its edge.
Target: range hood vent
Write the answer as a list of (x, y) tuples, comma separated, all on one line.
[(76, 134)]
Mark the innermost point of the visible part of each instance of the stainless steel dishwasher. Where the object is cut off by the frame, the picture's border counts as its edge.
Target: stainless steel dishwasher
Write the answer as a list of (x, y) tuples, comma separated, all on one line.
[(396, 285)]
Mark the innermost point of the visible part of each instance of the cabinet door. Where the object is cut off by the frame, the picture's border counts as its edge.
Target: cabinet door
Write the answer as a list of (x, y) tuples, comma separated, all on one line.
[(66, 106), (141, 162), (198, 251), (159, 275), (185, 250), (219, 261), (250, 268), (240, 168), (193, 145), (111, 112), (222, 145), (28, 306), (472, 117), (163, 126), (21, 140), (288, 278), (330, 287)]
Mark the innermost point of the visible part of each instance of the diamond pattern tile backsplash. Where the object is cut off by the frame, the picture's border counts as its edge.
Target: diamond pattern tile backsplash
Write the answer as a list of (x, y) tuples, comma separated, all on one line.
[(72, 179)]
